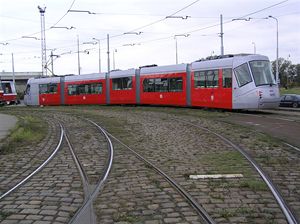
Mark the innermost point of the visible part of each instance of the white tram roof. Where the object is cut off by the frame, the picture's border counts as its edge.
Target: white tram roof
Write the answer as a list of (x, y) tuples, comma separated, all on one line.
[(122, 73), (227, 62), (92, 76), (163, 69), (213, 64), (44, 80)]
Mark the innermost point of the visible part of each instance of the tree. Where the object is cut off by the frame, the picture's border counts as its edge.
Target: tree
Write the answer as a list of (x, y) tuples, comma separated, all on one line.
[(284, 66)]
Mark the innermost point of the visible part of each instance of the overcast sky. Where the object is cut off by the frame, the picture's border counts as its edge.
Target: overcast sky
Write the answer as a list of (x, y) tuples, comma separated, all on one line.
[(156, 43)]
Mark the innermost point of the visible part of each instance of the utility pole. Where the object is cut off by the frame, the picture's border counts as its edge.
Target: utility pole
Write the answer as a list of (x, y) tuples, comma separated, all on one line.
[(114, 61), (52, 64), (99, 52), (43, 41), (108, 59), (221, 34), (78, 57), (13, 68), (277, 51)]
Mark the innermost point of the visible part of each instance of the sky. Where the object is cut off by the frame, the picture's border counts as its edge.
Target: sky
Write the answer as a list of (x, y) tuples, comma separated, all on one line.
[(140, 34)]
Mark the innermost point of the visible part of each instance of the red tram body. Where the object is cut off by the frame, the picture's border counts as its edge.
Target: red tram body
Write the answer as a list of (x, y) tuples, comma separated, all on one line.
[(9, 94), (165, 85), (229, 82), (91, 90), (122, 87)]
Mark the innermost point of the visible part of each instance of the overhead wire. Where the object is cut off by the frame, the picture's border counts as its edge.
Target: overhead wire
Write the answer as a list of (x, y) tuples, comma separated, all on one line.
[(45, 29)]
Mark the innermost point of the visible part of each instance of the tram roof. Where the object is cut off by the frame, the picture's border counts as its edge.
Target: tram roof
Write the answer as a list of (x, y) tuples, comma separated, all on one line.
[(163, 69)]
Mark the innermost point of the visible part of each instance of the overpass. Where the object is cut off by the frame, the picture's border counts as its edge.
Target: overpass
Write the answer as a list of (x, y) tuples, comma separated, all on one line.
[(20, 78)]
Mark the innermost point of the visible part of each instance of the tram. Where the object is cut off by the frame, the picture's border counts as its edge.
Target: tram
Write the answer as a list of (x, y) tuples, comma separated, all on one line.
[(242, 81), (9, 94)]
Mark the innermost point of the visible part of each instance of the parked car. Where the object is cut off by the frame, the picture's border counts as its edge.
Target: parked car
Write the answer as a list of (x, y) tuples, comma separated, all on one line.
[(290, 100)]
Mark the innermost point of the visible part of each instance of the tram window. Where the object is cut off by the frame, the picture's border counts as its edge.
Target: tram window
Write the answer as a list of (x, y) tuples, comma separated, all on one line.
[(227, 78), (43, 88), (90, 88), (122, 83), (212, 78), (96, 88), (27, 90), (148, 85), (72, 90), (242, 75), (52, 88), (199, 78), (161, 85), (175, 84), (6, 88)]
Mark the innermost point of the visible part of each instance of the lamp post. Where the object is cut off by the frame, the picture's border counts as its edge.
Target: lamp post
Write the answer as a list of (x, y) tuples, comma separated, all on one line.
[(114, 62), (277, 50), (176, 50), (254, 47), (277, 47), (99, 49)]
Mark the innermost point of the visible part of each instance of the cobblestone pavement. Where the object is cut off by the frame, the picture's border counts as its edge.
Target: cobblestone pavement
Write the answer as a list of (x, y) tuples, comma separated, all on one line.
[(89, 144), (180, 150), (134, 193), (15, 167)]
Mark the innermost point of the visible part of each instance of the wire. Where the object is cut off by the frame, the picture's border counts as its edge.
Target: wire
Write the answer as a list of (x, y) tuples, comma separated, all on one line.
[(160, 20), (64, 14), (45, 29)]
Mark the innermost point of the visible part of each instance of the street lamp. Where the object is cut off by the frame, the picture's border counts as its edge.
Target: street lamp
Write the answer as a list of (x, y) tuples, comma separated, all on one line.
[(177, 17), (28, 37), (63, 27), (254, 47), (277, 50), (136, 33), (99, 49), (176, 50), (114, 62), (84, 11)]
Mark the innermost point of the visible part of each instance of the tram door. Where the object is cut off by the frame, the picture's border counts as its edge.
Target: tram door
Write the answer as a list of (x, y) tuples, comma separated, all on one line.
[(205, 91), (226, 88)]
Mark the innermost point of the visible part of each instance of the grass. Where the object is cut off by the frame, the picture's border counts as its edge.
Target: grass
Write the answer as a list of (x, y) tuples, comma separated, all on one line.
[(295, 90), (232, 212), (255, 185), (27, 131), (123, 217), (224, 162), (4, 214)]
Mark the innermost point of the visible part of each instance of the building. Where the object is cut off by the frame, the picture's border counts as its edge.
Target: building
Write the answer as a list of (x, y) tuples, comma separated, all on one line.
[(21, 78)]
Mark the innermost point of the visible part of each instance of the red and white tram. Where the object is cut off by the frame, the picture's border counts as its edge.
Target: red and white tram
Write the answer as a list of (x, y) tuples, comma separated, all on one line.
[(8, 94), (230, 82)]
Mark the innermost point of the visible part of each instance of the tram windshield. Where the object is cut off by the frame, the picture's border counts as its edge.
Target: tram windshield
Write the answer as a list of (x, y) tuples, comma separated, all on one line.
[(262, 74)]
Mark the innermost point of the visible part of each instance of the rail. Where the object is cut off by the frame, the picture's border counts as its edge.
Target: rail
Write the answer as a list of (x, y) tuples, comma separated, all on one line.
[(39, 168), (281, 202)]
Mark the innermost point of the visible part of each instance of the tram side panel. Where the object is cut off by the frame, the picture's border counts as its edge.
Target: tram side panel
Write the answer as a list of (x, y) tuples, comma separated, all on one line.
[(123, 90), (210, 89), (163, 89), (9, 92), (225, 95), (85, 92)]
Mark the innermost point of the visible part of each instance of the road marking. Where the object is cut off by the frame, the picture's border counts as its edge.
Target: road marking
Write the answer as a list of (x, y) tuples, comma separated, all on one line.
[(252, 123), (294, 147), (216, 176)]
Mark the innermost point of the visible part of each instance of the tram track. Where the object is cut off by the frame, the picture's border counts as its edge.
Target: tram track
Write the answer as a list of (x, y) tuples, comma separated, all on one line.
[(291, 218), (85, 212), (76, 137), (198, 208), (28, 157), (90, 190), (39, 168)]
